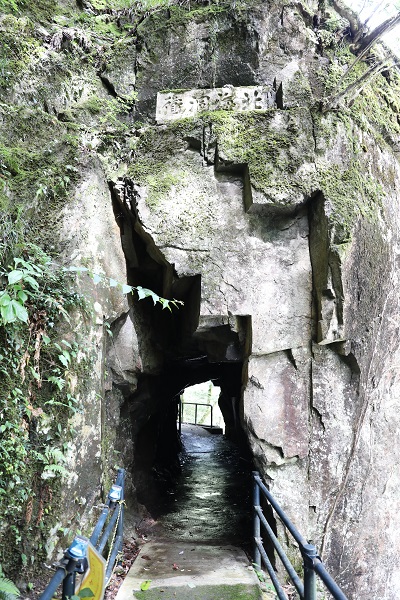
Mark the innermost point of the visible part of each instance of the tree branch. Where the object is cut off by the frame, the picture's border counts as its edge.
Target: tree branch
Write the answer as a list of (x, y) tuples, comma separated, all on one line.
[(347, 13), (355, 88), (369, 40)]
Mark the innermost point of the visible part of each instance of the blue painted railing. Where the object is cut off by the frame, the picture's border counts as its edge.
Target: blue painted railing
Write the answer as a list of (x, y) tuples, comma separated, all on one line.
[(312, 564), (107, 534)]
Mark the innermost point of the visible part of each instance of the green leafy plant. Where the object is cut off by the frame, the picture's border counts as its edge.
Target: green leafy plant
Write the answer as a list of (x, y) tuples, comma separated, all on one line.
[(9, 5), (36, 401), (8, 590), (85, 593), (127, 289), (22, 280)]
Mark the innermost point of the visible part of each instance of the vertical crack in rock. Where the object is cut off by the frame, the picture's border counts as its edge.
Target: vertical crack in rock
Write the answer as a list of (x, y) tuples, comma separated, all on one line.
[(326, 272), (291, 357), (365, 402), (313, 130)]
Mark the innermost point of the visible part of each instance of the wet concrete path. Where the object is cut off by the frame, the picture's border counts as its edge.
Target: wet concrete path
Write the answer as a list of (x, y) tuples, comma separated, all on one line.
[(195, 550), (211, 501)]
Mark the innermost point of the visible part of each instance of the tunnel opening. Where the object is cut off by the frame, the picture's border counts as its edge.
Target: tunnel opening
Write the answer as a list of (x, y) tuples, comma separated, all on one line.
[(196, 484), (199, 406), (176, 351), (159, 448)]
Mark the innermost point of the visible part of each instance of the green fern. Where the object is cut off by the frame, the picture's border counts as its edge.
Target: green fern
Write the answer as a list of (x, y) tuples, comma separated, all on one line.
[(54, 454), (55, 469), (8, 590)]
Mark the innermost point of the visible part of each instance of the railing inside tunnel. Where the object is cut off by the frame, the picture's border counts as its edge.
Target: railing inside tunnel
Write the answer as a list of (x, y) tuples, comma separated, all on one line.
[(312, 564), (195, 420), (93, 558)]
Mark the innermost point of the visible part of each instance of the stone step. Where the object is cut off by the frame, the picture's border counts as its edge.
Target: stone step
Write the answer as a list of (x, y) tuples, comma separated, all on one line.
[(184, 571), (214, 429)]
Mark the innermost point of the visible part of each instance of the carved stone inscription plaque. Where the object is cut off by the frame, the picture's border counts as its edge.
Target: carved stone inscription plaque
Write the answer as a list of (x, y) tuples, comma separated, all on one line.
[(177, 105)]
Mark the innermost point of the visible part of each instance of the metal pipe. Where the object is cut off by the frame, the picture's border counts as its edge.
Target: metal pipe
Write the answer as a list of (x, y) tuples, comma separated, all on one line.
[(113, 556), (100, 524), (105, 512), (196, 404), (120, 477), (119, 539), (256, 523), (329, 583), (55, 581), (69, 586), (106, 534), (278, 588), (281, 553), (312, 563), (74, 559), (283, 517), (310, 581), (120, 528)]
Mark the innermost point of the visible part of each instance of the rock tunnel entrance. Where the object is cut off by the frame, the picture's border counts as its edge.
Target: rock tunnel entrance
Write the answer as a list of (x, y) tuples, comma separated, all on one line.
[(193, 344), (193, 482), (153, 356)]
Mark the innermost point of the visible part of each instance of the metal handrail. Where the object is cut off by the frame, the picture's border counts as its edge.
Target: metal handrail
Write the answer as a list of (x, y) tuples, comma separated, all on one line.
[(74, 560), (196, 404), (312, 563)]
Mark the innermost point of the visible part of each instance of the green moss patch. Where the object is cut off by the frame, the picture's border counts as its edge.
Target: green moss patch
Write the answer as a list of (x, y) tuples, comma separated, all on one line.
[(37, 159), (202, 592), (279, 149)]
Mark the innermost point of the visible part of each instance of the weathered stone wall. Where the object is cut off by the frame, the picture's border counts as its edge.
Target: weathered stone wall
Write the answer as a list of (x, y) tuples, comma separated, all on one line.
[(90, 237), (289, 217), (279, 229)]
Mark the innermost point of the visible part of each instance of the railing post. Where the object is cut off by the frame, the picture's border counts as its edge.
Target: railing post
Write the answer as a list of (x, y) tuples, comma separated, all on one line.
[(211, 416), (256, 520), (76, 554), (180, 415), (68, 589), (120, 529), (195, 414), (310, 580)]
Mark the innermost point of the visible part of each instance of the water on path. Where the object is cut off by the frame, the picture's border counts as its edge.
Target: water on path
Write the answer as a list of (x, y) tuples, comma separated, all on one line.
[(211, 501)]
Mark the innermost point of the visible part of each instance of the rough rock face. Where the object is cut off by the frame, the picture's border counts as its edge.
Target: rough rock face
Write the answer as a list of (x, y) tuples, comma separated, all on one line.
[(268, 209), (277, 226), (90, 235)]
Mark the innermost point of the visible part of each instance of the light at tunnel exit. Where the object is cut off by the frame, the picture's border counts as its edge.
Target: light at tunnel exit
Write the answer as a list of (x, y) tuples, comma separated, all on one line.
[(205, 395)]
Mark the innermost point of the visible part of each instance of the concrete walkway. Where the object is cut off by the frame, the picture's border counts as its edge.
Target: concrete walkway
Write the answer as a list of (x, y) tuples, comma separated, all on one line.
[(190, 572), (194, 553)]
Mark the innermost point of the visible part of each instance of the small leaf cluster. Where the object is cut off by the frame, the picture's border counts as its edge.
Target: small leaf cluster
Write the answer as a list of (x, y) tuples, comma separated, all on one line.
[(22, 284), (125, 288), (84, 593), (8, 590)]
